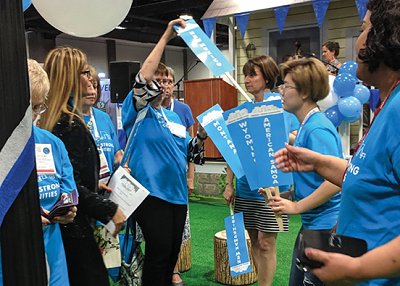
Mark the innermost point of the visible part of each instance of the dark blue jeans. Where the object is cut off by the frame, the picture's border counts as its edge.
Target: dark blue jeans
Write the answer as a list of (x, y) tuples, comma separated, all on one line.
[(298, 277)]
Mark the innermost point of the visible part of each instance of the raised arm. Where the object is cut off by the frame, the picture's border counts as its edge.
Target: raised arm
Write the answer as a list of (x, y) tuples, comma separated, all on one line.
[(298, 159)]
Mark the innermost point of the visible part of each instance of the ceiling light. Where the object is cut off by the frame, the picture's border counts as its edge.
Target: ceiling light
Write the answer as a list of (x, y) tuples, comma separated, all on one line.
[(120, 28)]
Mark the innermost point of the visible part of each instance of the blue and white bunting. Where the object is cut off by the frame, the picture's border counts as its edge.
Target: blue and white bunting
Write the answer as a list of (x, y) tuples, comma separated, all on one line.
[(320, 8), (242, 20), (17, 159), (209, 26), (280, 16)]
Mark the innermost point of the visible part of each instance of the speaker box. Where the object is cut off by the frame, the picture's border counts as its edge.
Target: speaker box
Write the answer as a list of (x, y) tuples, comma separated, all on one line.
[(122, 75)]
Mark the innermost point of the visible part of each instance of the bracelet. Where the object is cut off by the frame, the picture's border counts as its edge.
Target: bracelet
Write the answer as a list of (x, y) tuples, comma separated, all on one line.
[(201, 138)]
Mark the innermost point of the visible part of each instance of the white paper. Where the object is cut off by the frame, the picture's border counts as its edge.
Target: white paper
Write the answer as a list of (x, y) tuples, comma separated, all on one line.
[(127, 193)]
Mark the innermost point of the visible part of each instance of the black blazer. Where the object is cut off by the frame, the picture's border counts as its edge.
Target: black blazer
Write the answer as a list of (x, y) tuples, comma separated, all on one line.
[(84, 157)]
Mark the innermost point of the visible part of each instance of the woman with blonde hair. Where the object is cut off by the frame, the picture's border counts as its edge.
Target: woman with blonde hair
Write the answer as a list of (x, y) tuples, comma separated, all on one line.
[(69, 75)]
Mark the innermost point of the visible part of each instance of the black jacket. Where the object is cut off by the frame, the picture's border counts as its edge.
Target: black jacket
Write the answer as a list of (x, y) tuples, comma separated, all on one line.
[(85, 161)]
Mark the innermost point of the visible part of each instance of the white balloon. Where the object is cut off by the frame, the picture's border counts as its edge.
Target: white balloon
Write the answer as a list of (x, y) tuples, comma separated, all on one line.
[(331, 99), (83, 18)]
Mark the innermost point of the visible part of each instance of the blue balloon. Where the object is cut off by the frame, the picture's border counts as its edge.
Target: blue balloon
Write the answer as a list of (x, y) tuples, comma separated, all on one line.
[(350, 107), (349, 67), (334, 115), (26, 4), (344, 84), (351, 119), (361, 92)]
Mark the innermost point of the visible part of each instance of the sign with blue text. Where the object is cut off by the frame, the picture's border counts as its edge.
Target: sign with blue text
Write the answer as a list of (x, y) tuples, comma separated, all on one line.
[(237, 121), (238, 253), (214, 124), (266, 124), (204, 48)]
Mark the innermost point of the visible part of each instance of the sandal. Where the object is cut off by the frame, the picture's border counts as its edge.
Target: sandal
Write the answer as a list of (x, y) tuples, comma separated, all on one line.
[(177, 283)]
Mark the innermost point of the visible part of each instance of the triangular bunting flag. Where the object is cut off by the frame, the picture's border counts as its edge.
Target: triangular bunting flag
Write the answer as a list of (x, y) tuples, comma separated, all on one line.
[(362, 8), (280, 16), (241, 20), (209, 26), (320, 8)]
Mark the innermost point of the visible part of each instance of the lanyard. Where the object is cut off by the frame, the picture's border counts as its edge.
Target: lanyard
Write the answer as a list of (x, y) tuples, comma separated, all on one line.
[(309, 114), (92, 122), (172, 104)]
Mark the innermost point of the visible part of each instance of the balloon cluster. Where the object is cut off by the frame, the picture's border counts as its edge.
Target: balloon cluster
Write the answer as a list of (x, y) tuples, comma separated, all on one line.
[(346, 97)]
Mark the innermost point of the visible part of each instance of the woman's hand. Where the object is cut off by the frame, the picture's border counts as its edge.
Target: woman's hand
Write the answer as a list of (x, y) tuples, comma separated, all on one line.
[(119, 220), (45, 221), (67, 218), (283, 206), (229, 194), (170, 31), (296, 159), (103, 186)]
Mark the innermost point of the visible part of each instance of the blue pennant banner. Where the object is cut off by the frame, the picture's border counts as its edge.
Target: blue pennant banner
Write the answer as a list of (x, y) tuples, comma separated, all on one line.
[(362, 8), (237, 121), (204, 48), (238, 253), (209, 26), (242, 20), (266, 124), (280, 16), (213, 122), (320, 8)]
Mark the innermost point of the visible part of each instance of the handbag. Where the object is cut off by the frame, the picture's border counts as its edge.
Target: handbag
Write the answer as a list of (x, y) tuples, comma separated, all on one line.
[(329, 242), (132, 264)]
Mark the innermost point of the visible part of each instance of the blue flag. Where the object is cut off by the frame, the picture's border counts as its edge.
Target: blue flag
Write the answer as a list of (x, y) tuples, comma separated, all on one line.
[(238, 253), (204, 48), (17, 159), (266, 124), (209, 26), (280, 16), (242, 20), (320, 8), (213, 122), (361, 8), (237, 122)]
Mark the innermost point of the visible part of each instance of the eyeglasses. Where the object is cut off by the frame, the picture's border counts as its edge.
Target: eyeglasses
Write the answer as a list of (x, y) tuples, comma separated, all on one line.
[(39, 108), (86, 73), (165, 81), (285, 86)]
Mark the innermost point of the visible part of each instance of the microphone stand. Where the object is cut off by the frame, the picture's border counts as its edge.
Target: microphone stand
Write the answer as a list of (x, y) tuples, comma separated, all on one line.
[(178, 83)]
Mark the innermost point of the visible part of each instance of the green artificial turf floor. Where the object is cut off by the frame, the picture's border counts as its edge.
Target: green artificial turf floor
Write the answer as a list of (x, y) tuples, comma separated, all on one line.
[(207, 218)]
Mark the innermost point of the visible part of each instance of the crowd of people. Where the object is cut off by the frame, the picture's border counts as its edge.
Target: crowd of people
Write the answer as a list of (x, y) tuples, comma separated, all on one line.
[(77, 149)]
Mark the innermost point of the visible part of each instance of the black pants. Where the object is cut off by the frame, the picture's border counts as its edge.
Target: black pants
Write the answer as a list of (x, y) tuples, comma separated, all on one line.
[(85, 263), (162, 226)]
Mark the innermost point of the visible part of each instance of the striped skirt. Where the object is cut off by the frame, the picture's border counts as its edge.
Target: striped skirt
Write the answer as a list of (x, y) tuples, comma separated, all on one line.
[(258, 215)]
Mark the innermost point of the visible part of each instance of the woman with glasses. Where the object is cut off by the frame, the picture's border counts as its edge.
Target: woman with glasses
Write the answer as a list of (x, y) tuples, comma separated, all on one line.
[(69, 76), (159, 148), (260, 78), (54, 179), (305, 83)]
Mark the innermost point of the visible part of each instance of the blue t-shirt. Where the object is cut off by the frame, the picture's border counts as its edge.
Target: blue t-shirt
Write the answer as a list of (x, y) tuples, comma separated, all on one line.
[(370, 207), (184, 112), (50, 189), (158, 158), (108, 139), (317, 134)]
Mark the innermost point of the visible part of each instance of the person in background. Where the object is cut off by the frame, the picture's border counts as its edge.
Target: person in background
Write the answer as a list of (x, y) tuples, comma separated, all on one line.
[(69, 75), (259, 220), (165, 76), (55, 182), (330, 52), (305, 83), (103, 131), (370, 181), (159, 148)]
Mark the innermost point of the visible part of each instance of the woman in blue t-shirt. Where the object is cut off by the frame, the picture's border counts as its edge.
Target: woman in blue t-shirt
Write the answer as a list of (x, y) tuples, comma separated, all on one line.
[(370, 207), (259, 220), (305, 83)]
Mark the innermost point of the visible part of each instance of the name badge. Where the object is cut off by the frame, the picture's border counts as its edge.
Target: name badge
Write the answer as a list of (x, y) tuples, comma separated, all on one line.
[(104, 173), (44, 159), (177, 129)]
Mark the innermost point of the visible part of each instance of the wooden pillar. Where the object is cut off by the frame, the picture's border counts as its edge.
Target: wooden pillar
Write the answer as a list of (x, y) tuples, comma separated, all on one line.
[(21, 235)]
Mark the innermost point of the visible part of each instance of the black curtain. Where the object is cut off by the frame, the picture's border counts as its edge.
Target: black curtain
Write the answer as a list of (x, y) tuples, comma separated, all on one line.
[(21, 236)]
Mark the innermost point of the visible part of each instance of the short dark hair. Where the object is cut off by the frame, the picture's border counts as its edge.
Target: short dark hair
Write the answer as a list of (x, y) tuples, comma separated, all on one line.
[(332, 46), (383, 40), (268, 67)]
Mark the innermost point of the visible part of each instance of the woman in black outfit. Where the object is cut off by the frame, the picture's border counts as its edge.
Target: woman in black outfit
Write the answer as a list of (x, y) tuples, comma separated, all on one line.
[(69, 75)]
